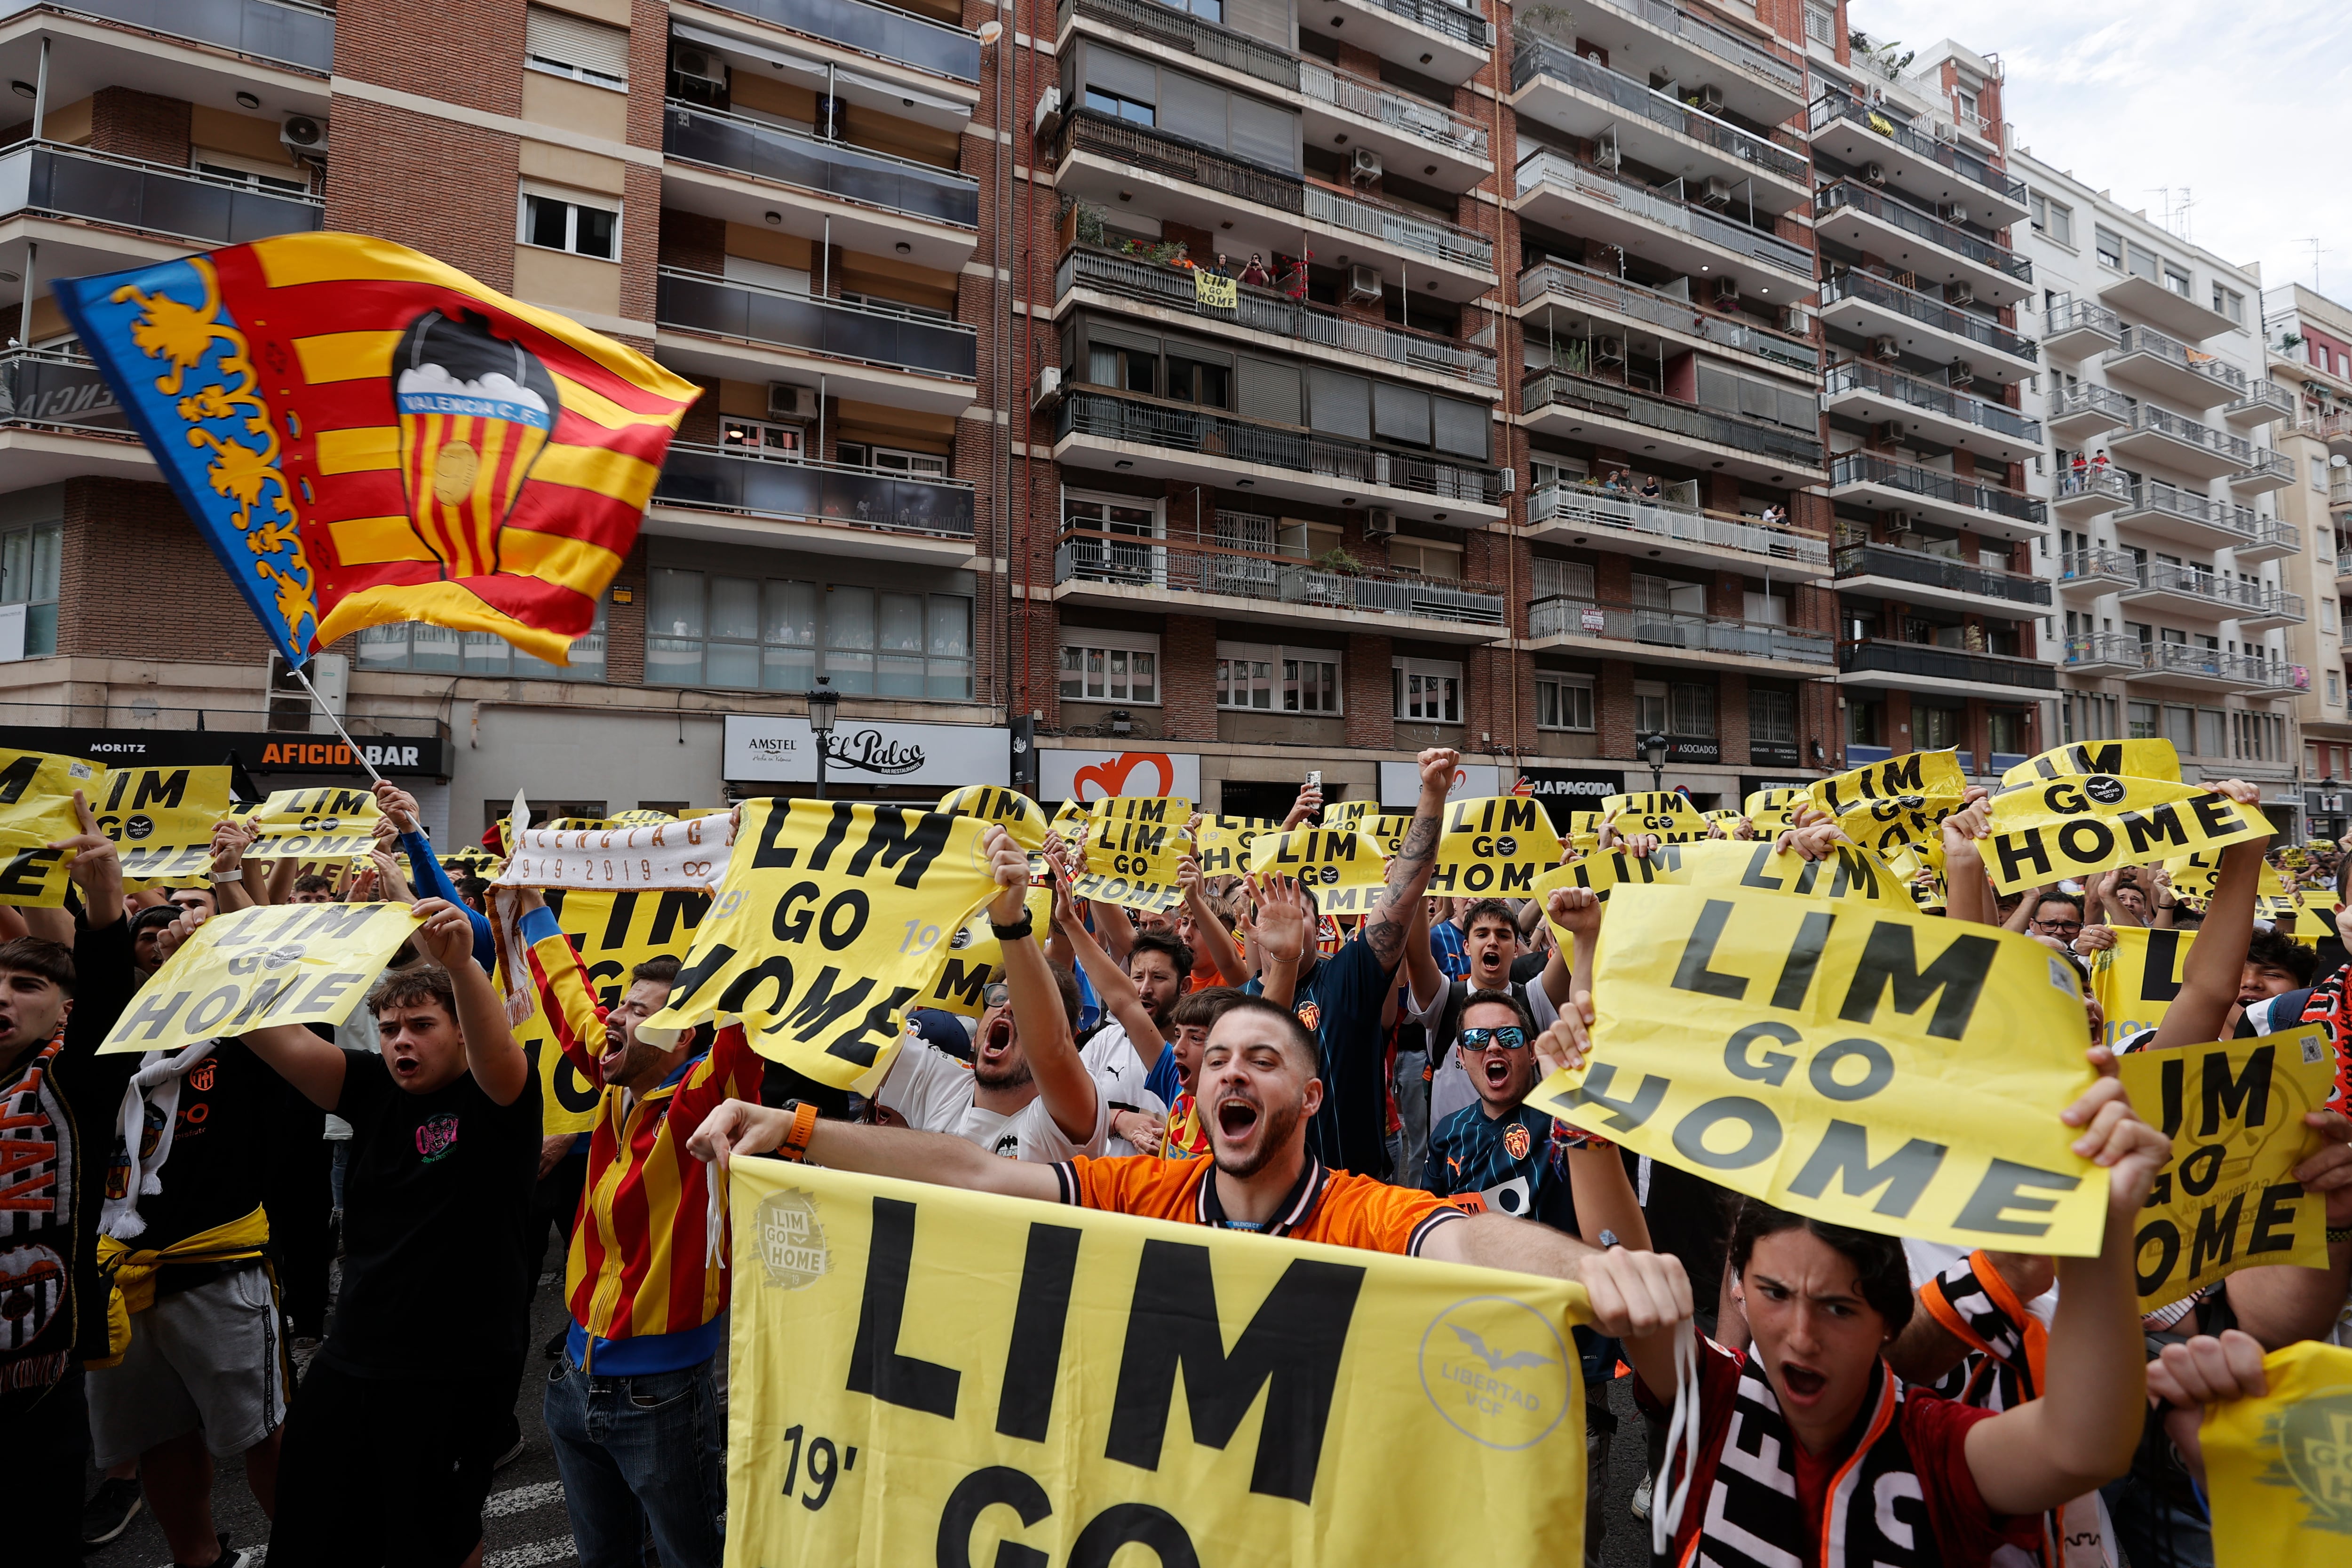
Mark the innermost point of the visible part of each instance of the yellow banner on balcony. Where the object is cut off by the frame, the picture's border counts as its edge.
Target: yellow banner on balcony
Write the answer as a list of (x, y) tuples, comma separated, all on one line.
[(1216, 291)]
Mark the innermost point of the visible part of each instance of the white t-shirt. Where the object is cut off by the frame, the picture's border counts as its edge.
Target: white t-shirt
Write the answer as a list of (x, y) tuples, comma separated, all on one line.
[(1450, 1087), (934, 1092), (1117, 1069)]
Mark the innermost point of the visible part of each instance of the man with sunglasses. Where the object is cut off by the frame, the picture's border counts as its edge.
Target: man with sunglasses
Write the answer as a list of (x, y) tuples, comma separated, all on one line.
[(1498, 1149)]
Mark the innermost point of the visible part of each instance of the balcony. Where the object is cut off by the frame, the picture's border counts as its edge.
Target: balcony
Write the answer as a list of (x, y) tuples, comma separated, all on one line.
[(59, 420), (2269, 471), (749, 172), (1562, 88), (1674, 432), (712, 326), (2168, 441), (2091, 573), (1156, 576), (1651, 38), (2339, 487), (2172, 370), (297, 36), (1871, 220), (880, 32), (1403, 130), (1172, 292), (2334, 427), (1925, 667), (2277, 607), (2262, 402), (1559, 191), (98, 212), (2270, 541), (1915, 576), (2092, 492), (1154, 438), (1870, 306), (1676, 531), (1676, 639), (2343, 570), (2147, 299), (1558, 286), (2161, 511), (1872, 392), (2193, 592), (1931, 493), (1856, 132), (2085, 409), (2203, 669), (2104, 653), (709, 492), (2077, 327), (1446, 41)]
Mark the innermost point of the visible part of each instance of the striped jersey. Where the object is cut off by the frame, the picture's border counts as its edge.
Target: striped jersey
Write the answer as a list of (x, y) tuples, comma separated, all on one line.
[(637, 1269)]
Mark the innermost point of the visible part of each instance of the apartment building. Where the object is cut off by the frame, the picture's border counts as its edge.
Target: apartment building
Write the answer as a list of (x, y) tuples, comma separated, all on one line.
[(2174, 576), (2310, 342), (1510, 432)]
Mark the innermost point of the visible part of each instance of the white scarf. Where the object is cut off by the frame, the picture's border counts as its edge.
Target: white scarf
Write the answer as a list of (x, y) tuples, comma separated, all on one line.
[(663, 856), (156, 1083)]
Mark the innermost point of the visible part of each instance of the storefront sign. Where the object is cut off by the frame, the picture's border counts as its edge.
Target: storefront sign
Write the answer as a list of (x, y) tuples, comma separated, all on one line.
[(1772, 753), (1400, 784), (1088, 776), (779, 749), (260, 752), (1681, 749)]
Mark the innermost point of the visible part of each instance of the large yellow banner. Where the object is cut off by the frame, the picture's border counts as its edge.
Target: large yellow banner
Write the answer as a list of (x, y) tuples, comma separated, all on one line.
[(974, 954), (2224, 1201), (1322, 859), (1019, 815), (614, 932), (2278, 1469), (2074, 826), (834, 919), (1846, 873), (1133, 848), (925, 1376), (37, 810), (276, 963), (1866, 1066), (2134, 759), (1917, 776), (1492, 846), (2136, 981), (1223, 843), (161, 821), (1668, 814)]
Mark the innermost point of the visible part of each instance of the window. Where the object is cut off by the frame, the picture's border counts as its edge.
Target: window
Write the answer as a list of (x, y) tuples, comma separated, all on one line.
[(1428, 689), (1649, 708), (1938, 729), (2180, 728), (1120, 107), (2176, 280), (2142, 717), (2139, 260), (438, 650), (2111, 248), (2231, 304), (704, 629), (1563, 701), (1122, 369), (2334, 689), (2213, 732), (1772, 715), (1864, 721), (28, 585), (890, 459), (2327, 616), (1110, 666), (1427, 558), (1690, 710), (253, 178), (2053, 219), (1821, 25), (2319, 473), (1269, 680), (571, 45), (1198, 381), (554, 223), (758, 438), (1964, 103), (2005, 732)]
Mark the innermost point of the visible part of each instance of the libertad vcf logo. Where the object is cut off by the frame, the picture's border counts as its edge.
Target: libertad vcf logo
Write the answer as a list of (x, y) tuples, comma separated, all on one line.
[(1497, 1370), (436, 1136)]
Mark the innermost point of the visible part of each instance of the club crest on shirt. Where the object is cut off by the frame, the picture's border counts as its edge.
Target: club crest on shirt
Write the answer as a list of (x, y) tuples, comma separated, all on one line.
[(1309, 1014), (1517, 1141), (436, 1135)]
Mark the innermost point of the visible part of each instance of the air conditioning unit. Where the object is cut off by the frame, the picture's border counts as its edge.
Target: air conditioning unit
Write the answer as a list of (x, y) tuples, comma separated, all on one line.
[(1049, 110), (1509, 478), (1363, 165), (1943, 130), (1363, 283), (699, 66), (1049, 384), (1714, 191), (1609, 350), (1886, 349), (303, 136), (1380, 522), (787, 401), (1726, 291), (1606, 154), (1709, 101), (1873, 173), (1956, 213), (1961, 373), (1961, 293), (289, 707), (1887, 432), (1797, 321)]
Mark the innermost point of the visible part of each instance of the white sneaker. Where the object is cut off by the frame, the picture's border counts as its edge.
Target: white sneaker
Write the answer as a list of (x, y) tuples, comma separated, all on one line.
[(1642, 1498)]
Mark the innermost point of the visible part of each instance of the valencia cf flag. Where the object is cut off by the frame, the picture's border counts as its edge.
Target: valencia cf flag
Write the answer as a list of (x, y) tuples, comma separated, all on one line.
[(364, 435)]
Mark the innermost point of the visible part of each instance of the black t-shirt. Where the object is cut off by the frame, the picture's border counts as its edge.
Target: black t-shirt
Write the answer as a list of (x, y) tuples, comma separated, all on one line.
[(1526, 966), (234, 1113), (435, 1204), (1339, 1000)]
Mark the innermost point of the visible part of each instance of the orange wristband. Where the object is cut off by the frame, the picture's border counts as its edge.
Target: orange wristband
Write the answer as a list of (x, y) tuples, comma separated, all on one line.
[(796, 1137)]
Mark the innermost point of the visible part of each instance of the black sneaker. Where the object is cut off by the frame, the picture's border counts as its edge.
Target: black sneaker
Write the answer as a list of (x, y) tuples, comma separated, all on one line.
[(109, 1510), (231, 1557)]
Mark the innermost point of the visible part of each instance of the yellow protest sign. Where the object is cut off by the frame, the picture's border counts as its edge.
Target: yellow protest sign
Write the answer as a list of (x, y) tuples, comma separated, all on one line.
[(277, 963), (2073, 827), (1584, 822), (1492, 846), (37, 810), (974, 954), (1223, 843), (1019, 815), (1870, 1067), (2224, 1201), (834, 919), (923, 1374), (2136, 981), (2278, 1469), (1668, 814), (1170, 811), (613, 933), (315, 823), (161, 820), (1925, 774), (1771, 805), (1846, 873), (1215, 291), (1132, 856), (1070, 821), (1321, 859), (1339, 814), (2133, 759)]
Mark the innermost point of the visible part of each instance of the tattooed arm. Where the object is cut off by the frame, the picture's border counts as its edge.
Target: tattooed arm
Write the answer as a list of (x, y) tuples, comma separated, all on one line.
[(1387, 927)]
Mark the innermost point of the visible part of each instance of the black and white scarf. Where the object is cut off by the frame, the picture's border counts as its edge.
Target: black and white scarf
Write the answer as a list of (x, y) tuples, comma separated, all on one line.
[(36, 1224)]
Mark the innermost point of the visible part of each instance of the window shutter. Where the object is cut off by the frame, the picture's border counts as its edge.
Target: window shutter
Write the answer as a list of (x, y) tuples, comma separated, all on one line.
[(1122, 74), (1266, 19), (1400, 414), (1192, 109), (1339, 404), (1269, 391), (576, 41), (1461, 427), (1265, 136), (1117, 337)]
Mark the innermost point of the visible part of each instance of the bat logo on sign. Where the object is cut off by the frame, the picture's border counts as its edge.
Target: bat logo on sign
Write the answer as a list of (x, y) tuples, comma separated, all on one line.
[(2106, 791), (1497, 1361)]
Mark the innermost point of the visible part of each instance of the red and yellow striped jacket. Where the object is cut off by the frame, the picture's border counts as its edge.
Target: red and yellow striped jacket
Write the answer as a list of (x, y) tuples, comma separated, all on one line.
[(636, 1265)]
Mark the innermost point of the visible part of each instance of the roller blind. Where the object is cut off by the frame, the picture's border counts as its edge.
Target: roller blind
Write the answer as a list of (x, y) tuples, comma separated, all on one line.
[(1098, 333), (1267, 19), (1461, 428), (1192, 109), (1339, 404), (1268, 391), (1265, 134), (575, 41), (1122, 74), (1400, 414)]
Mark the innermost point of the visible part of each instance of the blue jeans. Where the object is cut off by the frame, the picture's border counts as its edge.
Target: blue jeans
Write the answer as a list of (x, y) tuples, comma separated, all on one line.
[(634, 1451)]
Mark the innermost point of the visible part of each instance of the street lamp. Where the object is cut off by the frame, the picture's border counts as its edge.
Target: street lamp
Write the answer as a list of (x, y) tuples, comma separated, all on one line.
[(821, 701), (1654, 751)]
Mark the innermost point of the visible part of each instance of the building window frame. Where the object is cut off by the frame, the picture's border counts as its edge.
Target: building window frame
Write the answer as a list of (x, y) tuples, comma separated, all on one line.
[(1564, 702), (870, 642), (30, 570), (1425, 691), (1301, 680), (1117, 662), (538, 225)]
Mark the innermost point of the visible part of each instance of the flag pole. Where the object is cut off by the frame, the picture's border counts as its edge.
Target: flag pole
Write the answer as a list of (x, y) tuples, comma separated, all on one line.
[(357, 755)]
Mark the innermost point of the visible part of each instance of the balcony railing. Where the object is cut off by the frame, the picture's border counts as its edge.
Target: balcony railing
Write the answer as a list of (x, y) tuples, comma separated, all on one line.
[(2267, 465), (1546, 388), (883, 31), (1400, 229), (1589, 506), (1264, 310), (1867, 468), (1168, 26), (2089, 397), (1087, 130), (1539, 55), (2212, 664), (699, 476), (1440, 17), (1631, 301), (1163, 565), (1557, 169), (1222, 437), (2231, 449), (1994, 417), (2228, 380), (2264, 395), (2158, 496), (2089, 481), (1859, 285), (291, 35), (56, 181), (2344, 565), (1922, 226), (1926, 660), (2228, 593), (812, 163), (1673, 628), (2335, 425), (2277, 604), (2098, 565), (2270, 533), (2339, 487), (50, 388), (1416, 118), (698, 302), (1939, 571), (2082, 315), (2094, 649), (1834, 104), (1715, 41)]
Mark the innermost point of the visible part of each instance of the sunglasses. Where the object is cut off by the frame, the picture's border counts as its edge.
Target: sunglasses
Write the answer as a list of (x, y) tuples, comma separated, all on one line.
[(1510, 1037)]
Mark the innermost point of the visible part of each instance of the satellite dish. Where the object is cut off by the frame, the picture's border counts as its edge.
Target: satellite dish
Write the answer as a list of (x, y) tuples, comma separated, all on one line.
[(991, 31)]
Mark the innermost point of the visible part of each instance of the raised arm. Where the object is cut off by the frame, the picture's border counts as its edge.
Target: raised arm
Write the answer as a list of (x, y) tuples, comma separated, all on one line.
[(1635, 1295), (2022, 917), (1386, 926), (2216, 959), (1967, 896), (1112, 927), (230, 840), (1284, 930), (1208, 930), (1112, 985), (1577, 911), (1303, 809), (1608, 1211), (1428, 981), (739, 1127), (311, 1063), (497, 1064), (426, 872), (1063, 1082)]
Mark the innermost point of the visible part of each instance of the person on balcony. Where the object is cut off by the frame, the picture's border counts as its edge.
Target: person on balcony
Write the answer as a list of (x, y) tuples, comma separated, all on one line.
[(1255, 272)]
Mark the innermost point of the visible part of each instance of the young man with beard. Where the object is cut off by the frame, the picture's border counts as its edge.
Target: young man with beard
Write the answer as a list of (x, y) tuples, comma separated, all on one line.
[(1027, 1094), (633, 1408), (1258, 1078)]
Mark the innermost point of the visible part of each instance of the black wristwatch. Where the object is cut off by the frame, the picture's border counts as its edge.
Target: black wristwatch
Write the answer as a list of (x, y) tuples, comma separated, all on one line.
[(1027, 924)]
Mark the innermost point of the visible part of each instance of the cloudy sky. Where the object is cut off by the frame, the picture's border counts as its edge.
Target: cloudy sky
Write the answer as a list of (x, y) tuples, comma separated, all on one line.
[(2248, 104)]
